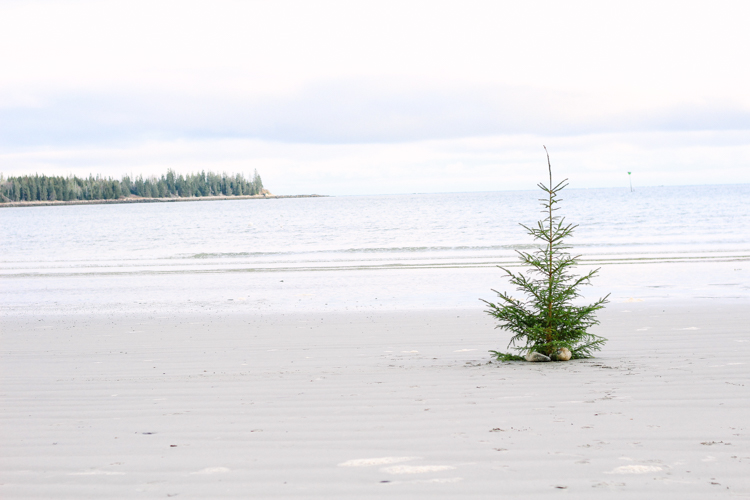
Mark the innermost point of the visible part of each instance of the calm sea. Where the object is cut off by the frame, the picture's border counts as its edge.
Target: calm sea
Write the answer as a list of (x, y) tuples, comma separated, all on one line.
[(364, 252)]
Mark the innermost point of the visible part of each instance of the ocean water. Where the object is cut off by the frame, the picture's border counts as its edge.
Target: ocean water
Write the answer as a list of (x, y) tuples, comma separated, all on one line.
[(364, 252)]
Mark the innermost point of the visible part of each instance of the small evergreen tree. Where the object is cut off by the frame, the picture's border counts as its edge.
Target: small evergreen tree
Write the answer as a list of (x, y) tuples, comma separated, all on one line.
[(547, 320), (257, 183)]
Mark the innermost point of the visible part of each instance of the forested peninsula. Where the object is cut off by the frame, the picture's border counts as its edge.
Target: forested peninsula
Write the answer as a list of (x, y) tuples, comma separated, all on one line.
[(170, 187)]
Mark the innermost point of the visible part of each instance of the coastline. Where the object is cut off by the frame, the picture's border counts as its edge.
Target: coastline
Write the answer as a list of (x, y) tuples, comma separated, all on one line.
[(136, 199), (397, 404)]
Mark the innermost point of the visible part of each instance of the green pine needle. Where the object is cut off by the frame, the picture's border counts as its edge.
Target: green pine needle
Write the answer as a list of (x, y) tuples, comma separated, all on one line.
[(502, 356)]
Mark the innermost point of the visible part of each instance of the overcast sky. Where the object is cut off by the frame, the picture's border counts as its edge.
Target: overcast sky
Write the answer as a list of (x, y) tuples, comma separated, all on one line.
[(379, 97)]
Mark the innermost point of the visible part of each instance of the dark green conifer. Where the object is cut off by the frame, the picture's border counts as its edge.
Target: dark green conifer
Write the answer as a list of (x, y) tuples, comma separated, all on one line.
[(43, 188), (546, 319)]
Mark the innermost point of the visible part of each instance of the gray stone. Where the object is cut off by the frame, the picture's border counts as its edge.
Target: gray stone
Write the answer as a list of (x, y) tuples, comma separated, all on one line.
[(536, 356), (562, 354)]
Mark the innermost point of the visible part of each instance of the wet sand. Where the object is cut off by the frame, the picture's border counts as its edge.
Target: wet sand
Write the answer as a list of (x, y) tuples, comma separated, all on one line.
[(388, 404)]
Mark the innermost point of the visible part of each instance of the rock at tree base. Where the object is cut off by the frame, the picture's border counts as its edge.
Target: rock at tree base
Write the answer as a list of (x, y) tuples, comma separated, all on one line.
[(536, 356), (562, 354)]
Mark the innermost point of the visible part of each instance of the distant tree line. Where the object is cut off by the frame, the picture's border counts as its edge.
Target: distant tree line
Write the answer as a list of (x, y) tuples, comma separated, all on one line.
[(44, 188)]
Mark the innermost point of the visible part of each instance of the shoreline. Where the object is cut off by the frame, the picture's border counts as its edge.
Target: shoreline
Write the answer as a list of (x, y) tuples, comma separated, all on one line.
[(135, 199)]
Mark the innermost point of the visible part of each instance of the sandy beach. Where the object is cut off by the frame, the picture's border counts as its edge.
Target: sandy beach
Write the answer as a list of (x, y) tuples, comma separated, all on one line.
[(139, 199), (387, 404), (538, 159)]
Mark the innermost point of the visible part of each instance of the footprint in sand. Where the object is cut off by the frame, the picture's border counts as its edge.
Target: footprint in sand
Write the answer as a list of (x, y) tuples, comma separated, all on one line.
[(212, 470), (97, 473), (634, 469), (369, 462), (415, 469), (440, 480)]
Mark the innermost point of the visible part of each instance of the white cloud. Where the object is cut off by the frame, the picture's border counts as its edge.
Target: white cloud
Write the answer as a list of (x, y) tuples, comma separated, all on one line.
[(349, 112), (468, 164), (647, 49), (353, 97)]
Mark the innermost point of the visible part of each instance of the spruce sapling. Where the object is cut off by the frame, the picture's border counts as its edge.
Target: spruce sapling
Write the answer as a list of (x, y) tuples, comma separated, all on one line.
[(547, 320)]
